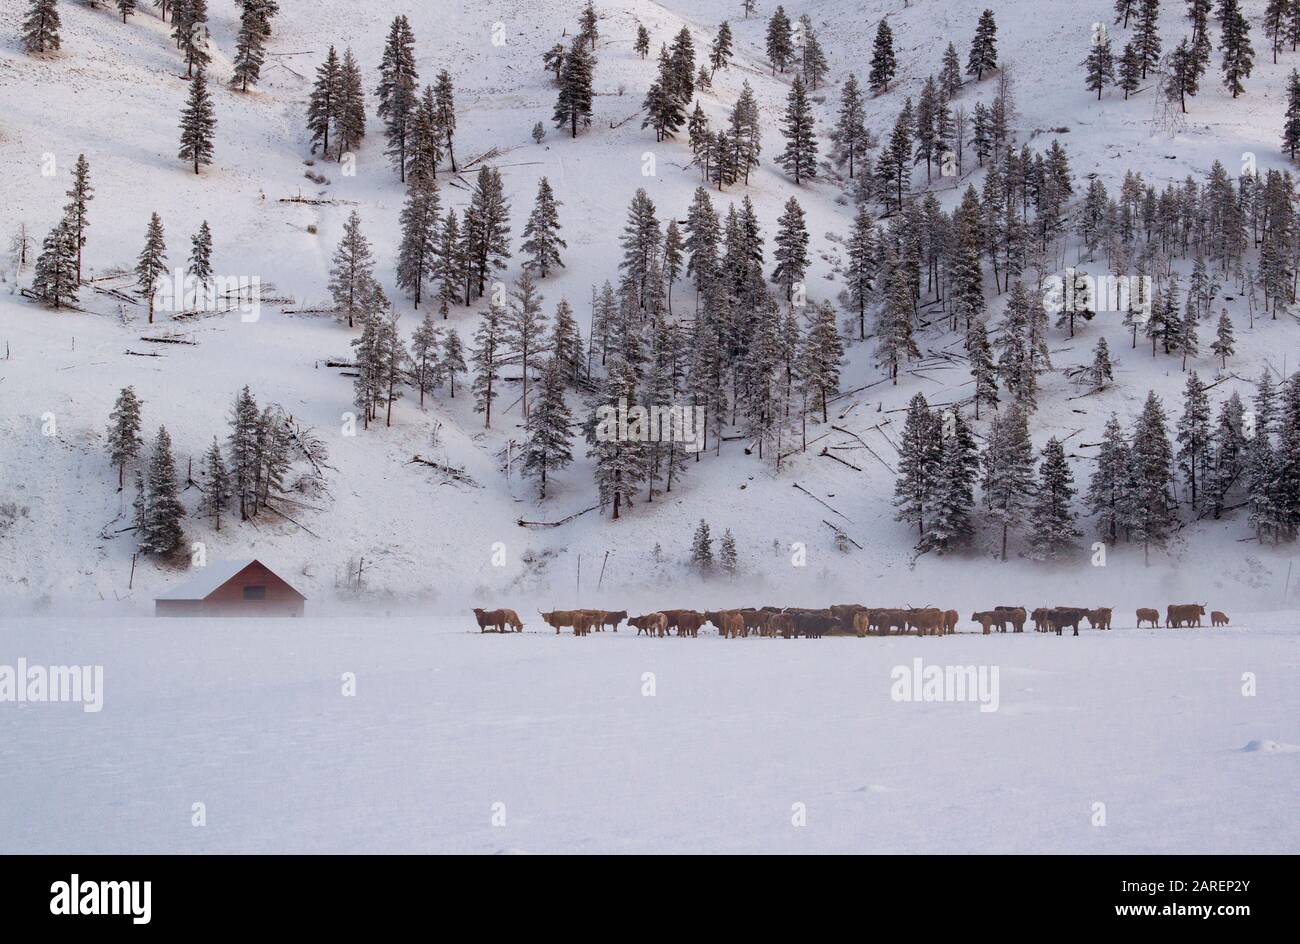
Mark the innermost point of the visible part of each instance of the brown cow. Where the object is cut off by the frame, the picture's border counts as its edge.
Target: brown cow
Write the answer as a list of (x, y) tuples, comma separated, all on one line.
[(756, 620), (888, 620), (813, 625), (731, 624), (845, 612), (563, 618), (782, 623), (950, 618), (1179, 613), (1099, 618), (651, 623), (498, 620), (688, 623), (1059, 617), (1015, 615), (1218, 619), (927, 621), (1148, 615), (987, 620)]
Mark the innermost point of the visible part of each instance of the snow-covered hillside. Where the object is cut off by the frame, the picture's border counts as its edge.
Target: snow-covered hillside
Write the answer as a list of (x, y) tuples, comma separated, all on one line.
[(114, 93)]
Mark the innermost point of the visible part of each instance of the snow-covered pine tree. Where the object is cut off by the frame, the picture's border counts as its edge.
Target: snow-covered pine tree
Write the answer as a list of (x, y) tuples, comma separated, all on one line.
[(822, 354), (641, 46), (728, 557), (663, 109), (893, 165), (1182, 79), (190, 31), (1224, 345), (453, 359), (398, 90), (393, 360), (542, 240), (425, 374), (884, 65), (161, 533), (799, 159), (1188, 338), (242, 451), (1234, 44), (324, 101), (791, 253), (1008, 471), (1106, 489), (41, 28), (813, 62), (1153, 511), (489, 344), (450, 265), (979, 355), (703, 237), (641, 242), (486, 234), (850, 136), (588, 30), (367, 361), (702, 549), (424, 151), (573, 104), (618, 454), (1100, 372), (566, 343), (983, 48), (418, 248), (200, 265), (1194, 437), (125, 8), (860, 265), (1230, 444), (746, 136), (895, 341), (682, 71), (950, 526), (950, 72), (720, 52), (216, 488), (350, 119), (524, 328), (352, 273), (250, 47), (1262, 461), (152, 262), (123, 438), (1288, 455), (198, 123), (444, 96), (920, 451), (1052, 519), (1291, 127), (780, 41), (77, 209), (54, 278), (1100, 63), (549, 428), (1146, 35)]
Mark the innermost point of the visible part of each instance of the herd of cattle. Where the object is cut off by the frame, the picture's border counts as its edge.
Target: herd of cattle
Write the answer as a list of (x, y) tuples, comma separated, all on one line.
[(842, 619)]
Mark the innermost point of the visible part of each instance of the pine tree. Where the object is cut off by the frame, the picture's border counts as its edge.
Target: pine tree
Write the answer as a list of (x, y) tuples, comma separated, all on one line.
[(1224, 345), (426, 340), (895, 341), (893, 166), (702, 549), (682, 72), (55, 276), (1008, 471), (618, 459), (125, 8), (884, 66), (523, 327), (367, 362), (489, 340), (393, 361), (1146, 35), (1100, 373), (728, 558), (984, 48), (487, 227), (821, 357), (397, 91), (41, 28), (950, 72), (950, 525), (1194, 459), (573, 105), (444, 96), (791, 253), (642, 44), (1183, 79), (152, 262), (453, 359), (325, 101), (1130, 70), (189, 29), (746, 138), (198, 123), (566, 343), (549, 428), (161, 533), (350, 120), (920, 453), (352, 274), (242, 451), (1230, 449), (1234, 43), (720, 52), (1051, 519), (1106, 490), (799, 159), (587, 28), (216, 493), (780, 42), (663, 109), (542, 241), (1288, 455), (250, 47), (124, 440), (424, 151), (979, 355), (1100, 63), (813, 58), (1152, 512), (418, 248), (860, 266), (77, 210), (1262, 461), (1291, 128), (200, 266), (850, 135)]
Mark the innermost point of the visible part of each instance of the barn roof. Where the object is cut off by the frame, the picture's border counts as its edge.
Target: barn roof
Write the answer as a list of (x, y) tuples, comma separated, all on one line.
[(203, 581)]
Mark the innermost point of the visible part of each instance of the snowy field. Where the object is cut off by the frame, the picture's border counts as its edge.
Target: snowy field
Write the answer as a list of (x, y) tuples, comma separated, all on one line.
[(249, 719)]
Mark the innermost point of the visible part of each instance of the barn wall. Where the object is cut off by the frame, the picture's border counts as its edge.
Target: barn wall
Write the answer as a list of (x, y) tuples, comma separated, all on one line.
[(228, 600)]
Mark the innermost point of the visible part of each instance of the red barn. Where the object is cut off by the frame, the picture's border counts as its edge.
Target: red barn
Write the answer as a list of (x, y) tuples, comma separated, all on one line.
[(231, 588)]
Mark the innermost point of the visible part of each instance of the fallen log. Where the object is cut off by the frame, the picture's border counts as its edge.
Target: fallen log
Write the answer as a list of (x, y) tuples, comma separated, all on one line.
[(840, 532), (169, 340), (555, 524), (829, 455), (822, 503), (458, 475), (142, 353)]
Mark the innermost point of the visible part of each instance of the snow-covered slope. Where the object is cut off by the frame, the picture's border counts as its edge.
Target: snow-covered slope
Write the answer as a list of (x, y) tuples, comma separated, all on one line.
[(114, 93)]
